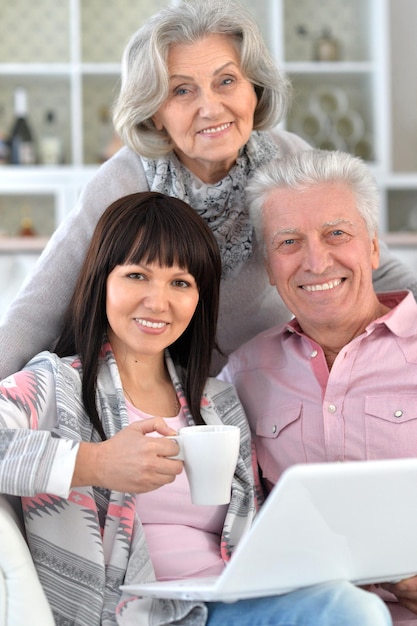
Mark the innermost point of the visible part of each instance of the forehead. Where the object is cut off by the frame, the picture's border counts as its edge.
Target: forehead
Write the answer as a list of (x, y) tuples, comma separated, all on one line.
[(311, 207), (212, 52)]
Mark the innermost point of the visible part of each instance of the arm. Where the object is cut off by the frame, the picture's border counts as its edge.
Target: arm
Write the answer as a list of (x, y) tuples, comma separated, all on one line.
[(35, 460), (33, 320)]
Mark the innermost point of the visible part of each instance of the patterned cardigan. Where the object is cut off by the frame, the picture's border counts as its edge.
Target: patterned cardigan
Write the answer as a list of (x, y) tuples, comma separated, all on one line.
[(87, 544)]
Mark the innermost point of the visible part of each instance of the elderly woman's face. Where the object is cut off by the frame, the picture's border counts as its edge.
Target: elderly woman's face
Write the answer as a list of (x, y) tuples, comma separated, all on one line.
[(210, 107)]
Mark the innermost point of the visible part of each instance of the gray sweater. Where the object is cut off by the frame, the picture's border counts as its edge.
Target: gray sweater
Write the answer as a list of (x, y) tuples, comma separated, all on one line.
[(248, 304)]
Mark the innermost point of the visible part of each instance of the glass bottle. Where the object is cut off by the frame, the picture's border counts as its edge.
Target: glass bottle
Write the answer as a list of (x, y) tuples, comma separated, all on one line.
[(50, 145), (326, 47), (22, 144)]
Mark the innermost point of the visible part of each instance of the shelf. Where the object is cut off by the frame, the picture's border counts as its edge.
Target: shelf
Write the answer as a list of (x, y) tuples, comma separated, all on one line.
[(334, 67), (41, 178), (30, 69), (22, 244)]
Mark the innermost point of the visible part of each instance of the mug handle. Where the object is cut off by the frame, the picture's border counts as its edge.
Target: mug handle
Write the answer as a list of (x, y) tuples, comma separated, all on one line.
[(180, 455)]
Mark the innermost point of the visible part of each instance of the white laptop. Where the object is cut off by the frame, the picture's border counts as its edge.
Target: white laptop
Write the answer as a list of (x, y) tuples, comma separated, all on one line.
[(354, 521)]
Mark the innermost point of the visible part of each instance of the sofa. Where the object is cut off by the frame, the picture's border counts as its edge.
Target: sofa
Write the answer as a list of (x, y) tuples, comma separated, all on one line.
[(22, 600)]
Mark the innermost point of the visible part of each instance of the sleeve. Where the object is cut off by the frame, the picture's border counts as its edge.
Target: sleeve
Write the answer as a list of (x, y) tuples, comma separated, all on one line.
[(392, 274), (32, 459), (33, 321)]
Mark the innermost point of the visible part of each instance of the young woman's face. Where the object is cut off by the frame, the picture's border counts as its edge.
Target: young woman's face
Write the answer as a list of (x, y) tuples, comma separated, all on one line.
[(210, 107), (148, 307)]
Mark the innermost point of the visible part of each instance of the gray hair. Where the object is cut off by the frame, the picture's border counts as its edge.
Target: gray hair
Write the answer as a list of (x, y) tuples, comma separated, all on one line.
[(311, 167), (144, 76)]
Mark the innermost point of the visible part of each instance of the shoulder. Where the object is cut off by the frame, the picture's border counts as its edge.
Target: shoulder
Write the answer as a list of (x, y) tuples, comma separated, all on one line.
[(260, 351), (287, 143), (121, 175), (50, 361)]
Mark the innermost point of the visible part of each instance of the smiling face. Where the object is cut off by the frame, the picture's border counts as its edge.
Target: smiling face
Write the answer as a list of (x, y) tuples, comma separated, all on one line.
[(210, 107), (148, 308), (320, 256)]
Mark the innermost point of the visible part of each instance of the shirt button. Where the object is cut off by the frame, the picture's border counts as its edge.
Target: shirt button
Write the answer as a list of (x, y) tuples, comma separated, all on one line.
[(398, 414), (331, 408), (274, 429), (313, 354)]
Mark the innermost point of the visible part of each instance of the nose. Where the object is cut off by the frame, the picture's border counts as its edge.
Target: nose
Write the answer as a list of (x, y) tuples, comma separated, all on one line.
[(156, 299), (210, 104), (317, 257)]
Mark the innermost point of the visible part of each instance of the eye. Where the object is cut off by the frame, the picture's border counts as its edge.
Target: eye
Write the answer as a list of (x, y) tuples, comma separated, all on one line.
[(286, 246), (183, 284), (182, 90), (338, 236), (136, 276), (227, 81)]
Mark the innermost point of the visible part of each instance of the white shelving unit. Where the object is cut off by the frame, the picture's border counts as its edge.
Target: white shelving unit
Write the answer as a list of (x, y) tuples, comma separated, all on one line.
[(373, 84), (68, 59)]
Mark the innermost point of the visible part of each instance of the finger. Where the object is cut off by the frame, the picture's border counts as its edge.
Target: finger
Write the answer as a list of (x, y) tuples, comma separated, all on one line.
[(404, 586), (154, 424)]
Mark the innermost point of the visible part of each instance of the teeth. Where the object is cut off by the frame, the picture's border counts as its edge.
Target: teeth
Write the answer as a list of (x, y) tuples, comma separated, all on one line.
[(323, 286), (151, 324), (215, 130)]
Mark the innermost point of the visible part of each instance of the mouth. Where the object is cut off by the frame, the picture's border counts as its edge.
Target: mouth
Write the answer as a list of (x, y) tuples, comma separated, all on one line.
[(214, 129), (149, 324), (331, 284)]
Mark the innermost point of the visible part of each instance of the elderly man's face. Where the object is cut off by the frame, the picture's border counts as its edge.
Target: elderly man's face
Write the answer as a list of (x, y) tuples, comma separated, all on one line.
[(320, 255)]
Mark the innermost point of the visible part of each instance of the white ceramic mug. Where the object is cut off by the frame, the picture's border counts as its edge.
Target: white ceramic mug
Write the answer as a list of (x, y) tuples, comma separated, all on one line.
[(210, 455)]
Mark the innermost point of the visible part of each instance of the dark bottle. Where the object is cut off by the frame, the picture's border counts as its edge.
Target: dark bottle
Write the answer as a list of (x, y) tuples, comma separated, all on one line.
[(4, 144), (22, 145)]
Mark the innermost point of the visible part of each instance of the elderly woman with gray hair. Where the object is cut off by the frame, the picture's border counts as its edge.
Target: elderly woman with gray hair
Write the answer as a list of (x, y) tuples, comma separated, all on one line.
[(198, 109)]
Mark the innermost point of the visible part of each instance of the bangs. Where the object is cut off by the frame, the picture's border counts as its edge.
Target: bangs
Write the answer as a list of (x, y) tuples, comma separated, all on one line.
[(148, 228), (168, 242), (159, 248)]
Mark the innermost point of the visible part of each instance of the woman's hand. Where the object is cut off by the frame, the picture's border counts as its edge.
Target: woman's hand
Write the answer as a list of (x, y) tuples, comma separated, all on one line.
[(130, 461), (405, 591)]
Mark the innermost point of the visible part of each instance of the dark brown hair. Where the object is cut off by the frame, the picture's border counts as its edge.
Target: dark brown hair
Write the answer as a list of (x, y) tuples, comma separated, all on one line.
[(152, 228)]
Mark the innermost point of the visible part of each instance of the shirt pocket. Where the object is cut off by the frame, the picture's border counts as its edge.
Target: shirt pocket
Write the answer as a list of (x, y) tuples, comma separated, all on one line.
[(279, 440), (271, 424), (391, 426)]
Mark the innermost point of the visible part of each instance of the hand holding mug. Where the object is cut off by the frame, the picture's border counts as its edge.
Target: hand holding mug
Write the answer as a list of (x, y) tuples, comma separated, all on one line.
[(210, 454)]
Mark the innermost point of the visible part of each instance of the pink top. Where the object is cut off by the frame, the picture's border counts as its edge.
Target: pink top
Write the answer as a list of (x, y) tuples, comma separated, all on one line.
[(183, 538)]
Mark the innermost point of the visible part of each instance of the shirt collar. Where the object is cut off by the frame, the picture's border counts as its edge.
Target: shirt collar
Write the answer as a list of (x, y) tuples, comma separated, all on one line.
[(401, 320)]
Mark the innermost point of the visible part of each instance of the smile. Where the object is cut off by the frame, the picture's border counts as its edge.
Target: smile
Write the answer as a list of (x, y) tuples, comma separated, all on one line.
[(217, 129), (150, 324), (323, 286)]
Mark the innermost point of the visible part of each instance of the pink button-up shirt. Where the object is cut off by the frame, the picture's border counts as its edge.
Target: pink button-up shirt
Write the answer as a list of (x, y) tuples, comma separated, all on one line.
[(364, 408)]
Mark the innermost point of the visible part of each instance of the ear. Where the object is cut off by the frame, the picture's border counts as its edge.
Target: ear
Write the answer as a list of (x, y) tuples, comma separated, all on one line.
[(157, 122), (375, 252), (269, 272)]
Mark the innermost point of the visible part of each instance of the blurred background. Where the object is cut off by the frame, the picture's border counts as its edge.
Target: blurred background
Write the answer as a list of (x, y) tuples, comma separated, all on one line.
[(353, 67)]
